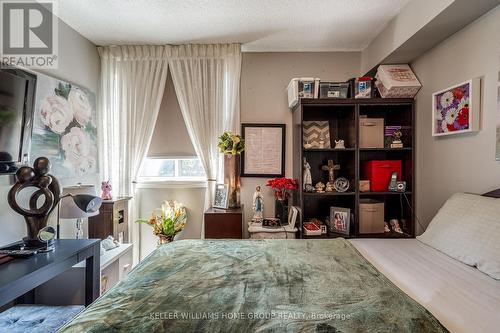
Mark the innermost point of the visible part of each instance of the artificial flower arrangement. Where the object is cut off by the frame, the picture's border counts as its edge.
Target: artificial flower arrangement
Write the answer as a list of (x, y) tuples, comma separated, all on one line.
[(169, 222), (282, 187), (231, 143)]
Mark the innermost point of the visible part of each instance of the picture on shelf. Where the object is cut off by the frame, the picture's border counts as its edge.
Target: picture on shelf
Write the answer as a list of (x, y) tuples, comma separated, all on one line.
[(340, 220), (220, 197), (456, 109)]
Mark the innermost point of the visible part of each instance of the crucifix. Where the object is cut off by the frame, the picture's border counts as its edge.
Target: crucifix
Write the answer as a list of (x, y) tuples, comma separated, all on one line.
[(331, 167)]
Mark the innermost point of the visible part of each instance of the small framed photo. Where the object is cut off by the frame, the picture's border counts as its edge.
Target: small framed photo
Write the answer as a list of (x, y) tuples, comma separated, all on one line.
[(340, 220), (323, 229), (220, 198)]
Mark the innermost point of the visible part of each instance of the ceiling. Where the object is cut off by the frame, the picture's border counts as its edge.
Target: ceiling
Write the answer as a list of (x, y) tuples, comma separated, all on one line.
[(260, 25)]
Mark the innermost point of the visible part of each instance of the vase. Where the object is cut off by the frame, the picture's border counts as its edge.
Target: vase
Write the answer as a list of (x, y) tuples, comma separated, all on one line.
[(162, 239), (232, 179), (281, 210)]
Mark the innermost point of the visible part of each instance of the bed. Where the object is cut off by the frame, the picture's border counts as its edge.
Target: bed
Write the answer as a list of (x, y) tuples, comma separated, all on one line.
[(330, 285)]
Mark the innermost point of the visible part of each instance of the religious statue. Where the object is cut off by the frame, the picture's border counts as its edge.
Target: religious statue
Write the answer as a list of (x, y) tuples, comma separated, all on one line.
[(258, 204), (307, 181), (331, 167)]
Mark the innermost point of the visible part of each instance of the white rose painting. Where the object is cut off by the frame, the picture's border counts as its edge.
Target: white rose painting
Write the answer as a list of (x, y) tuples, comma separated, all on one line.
[(64, 128)]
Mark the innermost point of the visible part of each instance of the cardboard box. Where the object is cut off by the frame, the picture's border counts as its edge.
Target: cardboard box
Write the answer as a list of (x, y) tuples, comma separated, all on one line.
[(371, 216), (371, 133), (364, 186)]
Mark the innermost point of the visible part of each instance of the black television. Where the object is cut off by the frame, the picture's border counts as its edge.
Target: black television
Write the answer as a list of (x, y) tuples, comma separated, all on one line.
[(17, 95)]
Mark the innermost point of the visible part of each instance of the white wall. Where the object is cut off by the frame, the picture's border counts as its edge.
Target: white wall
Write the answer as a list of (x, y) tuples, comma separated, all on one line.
[(79, 64), (466, 162)]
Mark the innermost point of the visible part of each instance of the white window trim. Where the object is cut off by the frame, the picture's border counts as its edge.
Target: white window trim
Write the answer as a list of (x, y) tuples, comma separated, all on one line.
[(171, 182)]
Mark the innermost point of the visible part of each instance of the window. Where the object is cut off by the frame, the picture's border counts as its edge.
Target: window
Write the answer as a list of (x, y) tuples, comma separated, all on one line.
[(172, 169)]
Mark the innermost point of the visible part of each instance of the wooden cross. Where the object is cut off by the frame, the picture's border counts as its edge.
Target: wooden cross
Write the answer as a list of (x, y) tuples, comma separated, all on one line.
[(331, 167)]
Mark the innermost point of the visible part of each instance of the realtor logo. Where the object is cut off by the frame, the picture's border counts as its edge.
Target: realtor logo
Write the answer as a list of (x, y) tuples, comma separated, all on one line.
[(28, 33)]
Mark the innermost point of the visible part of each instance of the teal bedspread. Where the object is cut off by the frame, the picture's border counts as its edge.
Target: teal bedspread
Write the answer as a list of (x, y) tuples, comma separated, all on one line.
[(255, 286)]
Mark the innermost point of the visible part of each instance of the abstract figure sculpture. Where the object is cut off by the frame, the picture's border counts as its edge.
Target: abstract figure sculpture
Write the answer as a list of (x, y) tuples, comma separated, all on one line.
[(47, 187)]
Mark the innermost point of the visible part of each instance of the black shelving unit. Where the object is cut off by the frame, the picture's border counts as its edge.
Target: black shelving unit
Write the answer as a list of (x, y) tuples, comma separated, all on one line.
[(343, 116)]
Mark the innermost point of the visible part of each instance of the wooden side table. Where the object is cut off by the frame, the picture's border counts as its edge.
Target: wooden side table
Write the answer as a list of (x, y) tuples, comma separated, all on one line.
[(112, 220), (224, 223)]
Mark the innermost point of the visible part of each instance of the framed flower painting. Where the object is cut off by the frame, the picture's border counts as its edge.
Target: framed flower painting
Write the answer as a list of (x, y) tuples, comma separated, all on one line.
[(64, 127), (456, 109)]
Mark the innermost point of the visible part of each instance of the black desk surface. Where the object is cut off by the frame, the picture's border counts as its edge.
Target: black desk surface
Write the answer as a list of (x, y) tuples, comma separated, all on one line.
[(39, 268)]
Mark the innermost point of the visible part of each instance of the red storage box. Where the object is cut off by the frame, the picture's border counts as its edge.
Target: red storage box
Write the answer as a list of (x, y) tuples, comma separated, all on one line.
[(379, 173)]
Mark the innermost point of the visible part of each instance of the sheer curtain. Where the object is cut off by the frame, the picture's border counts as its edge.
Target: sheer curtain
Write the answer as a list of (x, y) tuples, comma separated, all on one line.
[(132, 85), (207, 84)]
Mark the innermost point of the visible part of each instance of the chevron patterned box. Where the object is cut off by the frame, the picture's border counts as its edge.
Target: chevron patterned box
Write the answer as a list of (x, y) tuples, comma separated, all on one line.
[(316, 134)]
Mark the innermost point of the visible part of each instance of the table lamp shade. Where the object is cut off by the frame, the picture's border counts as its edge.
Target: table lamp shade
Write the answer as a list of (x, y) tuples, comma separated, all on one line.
[(85, 205)]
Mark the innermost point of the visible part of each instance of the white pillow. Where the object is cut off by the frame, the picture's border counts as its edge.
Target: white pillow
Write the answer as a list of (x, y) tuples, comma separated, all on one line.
[(467, 228)]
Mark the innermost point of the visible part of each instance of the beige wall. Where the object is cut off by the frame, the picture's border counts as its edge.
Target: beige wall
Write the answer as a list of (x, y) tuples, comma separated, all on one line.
[(150, 197), (264, 78), (78, 63), (466, 162)]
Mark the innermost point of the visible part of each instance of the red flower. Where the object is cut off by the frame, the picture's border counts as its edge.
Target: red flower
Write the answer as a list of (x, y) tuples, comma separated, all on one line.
[(463, 116), (458, 93), (282, 187)]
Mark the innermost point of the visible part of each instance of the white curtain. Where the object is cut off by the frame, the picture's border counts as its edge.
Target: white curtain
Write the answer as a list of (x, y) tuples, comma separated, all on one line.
[(132, 85), (207, 84)]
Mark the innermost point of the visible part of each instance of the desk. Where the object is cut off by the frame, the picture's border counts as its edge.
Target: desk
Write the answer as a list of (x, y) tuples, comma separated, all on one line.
[(20, 276)]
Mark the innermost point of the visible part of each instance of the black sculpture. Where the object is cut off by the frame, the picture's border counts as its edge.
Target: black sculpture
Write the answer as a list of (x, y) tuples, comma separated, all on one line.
[(48, 187)]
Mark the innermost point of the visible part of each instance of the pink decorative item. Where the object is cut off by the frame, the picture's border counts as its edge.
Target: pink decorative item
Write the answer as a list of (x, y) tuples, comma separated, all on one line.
[(106, 191)]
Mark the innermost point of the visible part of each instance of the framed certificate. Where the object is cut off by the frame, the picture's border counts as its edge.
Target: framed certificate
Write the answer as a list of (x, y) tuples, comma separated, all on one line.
[(264, 154)]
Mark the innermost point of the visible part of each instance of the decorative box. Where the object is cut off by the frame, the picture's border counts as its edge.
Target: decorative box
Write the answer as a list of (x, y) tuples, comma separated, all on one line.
[(333, 89), (379, 173), (304, 87), (312, 229), (371, 216), (371, 133), (364, 186), (397, 81)]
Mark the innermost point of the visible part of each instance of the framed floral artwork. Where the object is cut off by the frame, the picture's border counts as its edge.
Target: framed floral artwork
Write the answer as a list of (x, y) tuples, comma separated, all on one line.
[(64, 127), (456, 109)]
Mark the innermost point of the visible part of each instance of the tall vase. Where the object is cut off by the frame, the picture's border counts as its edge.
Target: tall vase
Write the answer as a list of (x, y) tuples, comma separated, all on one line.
[(232, 179), (281, 210)]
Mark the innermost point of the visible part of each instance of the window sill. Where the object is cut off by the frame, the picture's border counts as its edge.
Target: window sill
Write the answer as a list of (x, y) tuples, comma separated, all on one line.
[(170, 183)]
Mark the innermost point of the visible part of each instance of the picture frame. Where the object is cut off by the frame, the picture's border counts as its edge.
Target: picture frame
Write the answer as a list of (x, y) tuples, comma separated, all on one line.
[(457, 109), (264, 154), (340, 220), (221, 196)]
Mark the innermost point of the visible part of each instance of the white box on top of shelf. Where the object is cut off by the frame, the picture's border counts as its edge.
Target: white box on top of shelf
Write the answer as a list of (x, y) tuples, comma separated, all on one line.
[(303, 87), (397, 81)]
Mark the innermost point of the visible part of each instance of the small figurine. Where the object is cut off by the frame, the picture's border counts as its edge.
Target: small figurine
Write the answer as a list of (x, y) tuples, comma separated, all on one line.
[(339, 144), (307, 181), (321, 143), (258, 204), (106, 190), (329, 187), (386, 227), (395, 226), (307, 145), (320, 187)]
